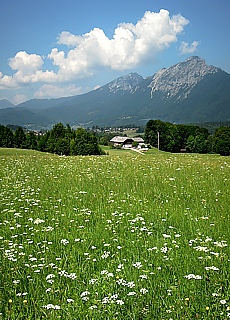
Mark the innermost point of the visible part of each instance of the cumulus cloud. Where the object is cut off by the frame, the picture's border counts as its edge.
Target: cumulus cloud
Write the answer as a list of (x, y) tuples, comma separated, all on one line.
[(28, 70), (19, 98), (26, 63), (185, 48), (130, 46), (53, 91), (7, 82)]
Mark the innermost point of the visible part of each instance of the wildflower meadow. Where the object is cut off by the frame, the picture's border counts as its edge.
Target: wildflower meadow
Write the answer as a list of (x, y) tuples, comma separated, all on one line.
[(119, 236)]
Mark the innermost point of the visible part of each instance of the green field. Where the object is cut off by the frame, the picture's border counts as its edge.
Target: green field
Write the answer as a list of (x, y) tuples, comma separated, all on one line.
[(122, 236)]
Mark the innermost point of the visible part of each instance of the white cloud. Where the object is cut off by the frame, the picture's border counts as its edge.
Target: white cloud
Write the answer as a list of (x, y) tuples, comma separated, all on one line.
[(53, 91), (29, 68), (26, 63), (19, 98), (185, 48), (130, 46), (7, 82), (26, 66)]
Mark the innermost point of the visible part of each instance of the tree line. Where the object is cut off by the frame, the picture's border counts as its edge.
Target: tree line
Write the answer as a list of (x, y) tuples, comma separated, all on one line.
[(61, 140), (178, 137)]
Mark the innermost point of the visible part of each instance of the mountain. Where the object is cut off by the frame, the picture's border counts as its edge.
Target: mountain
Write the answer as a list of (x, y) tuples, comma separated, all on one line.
[(22, 117), (4, 103), (188, 92)]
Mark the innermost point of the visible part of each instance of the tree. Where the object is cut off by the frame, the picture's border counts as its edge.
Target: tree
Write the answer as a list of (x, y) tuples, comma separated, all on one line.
[(104, 141), (198, 144), (182, 133), (19, 138), (221, 141), (190, 144), (6, 137), (42, 142), (63, 140), (31, 141), (174, 137), (59, 140), (165, 131), (84, 143)]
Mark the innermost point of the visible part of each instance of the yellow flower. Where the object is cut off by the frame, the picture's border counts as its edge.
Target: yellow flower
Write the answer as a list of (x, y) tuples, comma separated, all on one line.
[(25, 301), (10, 301), (187, 299), (207, 308)]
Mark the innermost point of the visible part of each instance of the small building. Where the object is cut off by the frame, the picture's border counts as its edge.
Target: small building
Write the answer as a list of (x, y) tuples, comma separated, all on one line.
[(126, 142)]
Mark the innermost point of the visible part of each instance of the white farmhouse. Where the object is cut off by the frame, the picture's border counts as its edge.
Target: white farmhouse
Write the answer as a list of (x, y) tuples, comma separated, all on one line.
[(126, 142)]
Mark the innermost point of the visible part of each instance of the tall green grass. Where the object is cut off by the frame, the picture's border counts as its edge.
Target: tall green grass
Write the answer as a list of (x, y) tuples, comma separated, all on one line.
[(123, 236)]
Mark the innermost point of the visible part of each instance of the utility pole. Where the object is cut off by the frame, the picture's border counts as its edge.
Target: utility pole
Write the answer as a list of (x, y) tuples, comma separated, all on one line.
[(158, 140)]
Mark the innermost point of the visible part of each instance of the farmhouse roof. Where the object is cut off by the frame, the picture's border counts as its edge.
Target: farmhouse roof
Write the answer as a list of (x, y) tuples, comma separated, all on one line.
[(138, 139), (119, 139)]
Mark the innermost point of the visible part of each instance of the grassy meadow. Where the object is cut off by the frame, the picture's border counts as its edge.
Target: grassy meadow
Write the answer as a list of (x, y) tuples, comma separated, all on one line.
[(122, 236)]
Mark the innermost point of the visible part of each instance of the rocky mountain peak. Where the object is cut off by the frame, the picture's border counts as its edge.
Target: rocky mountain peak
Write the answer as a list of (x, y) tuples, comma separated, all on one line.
[(188, 92), (128, 83), (181, 78)]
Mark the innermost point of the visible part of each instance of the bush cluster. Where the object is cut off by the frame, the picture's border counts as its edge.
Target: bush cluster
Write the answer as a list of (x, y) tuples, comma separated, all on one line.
[(194, 139), (61, 140)]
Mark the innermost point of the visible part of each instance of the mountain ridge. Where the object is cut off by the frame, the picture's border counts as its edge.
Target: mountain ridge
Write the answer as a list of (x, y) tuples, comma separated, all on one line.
[(189, 91), (192, 69), (4, 103)]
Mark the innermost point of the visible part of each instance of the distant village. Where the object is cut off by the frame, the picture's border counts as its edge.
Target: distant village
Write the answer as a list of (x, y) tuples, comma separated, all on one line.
[(113, 130)]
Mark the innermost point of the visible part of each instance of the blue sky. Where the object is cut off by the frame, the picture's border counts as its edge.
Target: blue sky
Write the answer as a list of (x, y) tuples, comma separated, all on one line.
[(51, 49)]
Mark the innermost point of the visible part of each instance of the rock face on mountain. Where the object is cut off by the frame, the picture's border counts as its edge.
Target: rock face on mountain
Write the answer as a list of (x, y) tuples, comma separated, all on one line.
[(188, 92), (126, 83), (179, 80)]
